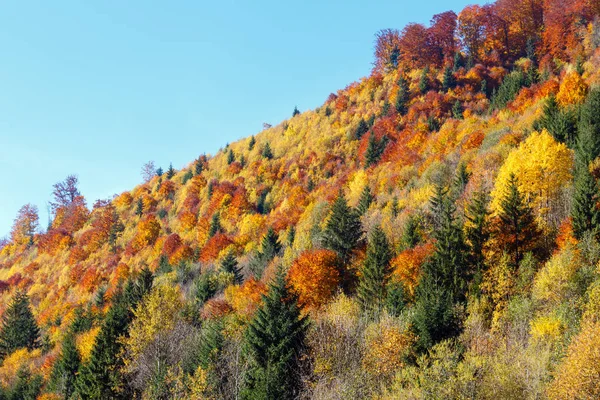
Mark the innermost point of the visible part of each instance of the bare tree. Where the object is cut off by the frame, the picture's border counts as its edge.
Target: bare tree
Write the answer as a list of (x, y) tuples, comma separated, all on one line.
[(148, 171), (65, 192)]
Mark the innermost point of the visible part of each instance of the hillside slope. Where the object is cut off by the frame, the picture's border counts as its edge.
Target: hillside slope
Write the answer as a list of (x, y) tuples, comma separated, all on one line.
[(466, 265)]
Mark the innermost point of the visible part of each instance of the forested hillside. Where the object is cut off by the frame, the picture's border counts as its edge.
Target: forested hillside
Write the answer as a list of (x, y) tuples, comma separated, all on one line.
[(431, 231)]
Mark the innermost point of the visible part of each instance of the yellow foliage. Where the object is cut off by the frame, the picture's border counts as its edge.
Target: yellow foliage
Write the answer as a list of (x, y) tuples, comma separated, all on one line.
[(14, 361), (542, 167), (356, 187), (546, 328), (552, 282), (573, 90), (85, 343)]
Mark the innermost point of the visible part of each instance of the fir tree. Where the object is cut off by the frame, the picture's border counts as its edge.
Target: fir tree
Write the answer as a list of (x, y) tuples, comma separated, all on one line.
[(385, 109), (215, 225), (291, 236), (477, 231), (372, 285), (403, 96), (396, 299), (266, 152), (517, 228), (588, 140), (448, 81), (410, 235), (424, 81), (274, 342), (365, 201), (484, 87), (395, 207), (375, 149), (19, 328), (251, 143), (461, 178), (361, 129), (27, 386), (457, 110), (229, 265), (230, 157), (170, 171), (198, 167), (343, 229), (270, 246), (204, 288), (562, 125), (296, 111), (159, 172), (584, 214), (458, 62), (64, 372)]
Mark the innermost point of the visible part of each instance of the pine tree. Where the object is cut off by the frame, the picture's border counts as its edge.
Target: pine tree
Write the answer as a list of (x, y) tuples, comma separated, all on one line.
[(366, 198), (266, 152), (458, 62), (448, 81), (477, 231), (517, 228), (361, 129), (159, 172), (343, 229), (230, 157), (274, 342), (270, 245), (372, 285), (139, 208), (410, 235), (198, 167), (588, 138), (27, 386), (584, 214), (395, 207), (424, 81), (291, 236), (229, 265), (562, 125), (457, 110), (170, 171), (403, 96), (19, 328), (215, 225), (375, 149), (251, 143), (204, 288), (65, 369)]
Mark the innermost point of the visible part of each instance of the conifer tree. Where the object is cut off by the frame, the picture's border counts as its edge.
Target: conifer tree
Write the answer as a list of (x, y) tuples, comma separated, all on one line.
[(159, 172), (215, 225), (27, 385), (270, 245), (448, 81), (366, 198), (229, 264), (395, 207), (375, 149), (562, 125), (204, 288), (139, 207), (410, 235), (457, 110), (251, 143), (296, 111), (477, 230), (343, 229), (372, 285), (461, 178), (517, 229), (458, 62), (585, 215), (230, 157), (170, 171), (403, 96), (588, 138), (198, 167), (18, 328), (424, 81), (65, 369), (291, 236), (361, 129), (274, 342), (266, 152)]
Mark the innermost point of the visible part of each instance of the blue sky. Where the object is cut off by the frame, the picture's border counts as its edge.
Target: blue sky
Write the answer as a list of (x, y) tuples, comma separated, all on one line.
[(97, 88)]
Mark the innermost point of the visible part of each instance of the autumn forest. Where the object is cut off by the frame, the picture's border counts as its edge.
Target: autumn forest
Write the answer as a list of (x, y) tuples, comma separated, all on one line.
[(432, 231)]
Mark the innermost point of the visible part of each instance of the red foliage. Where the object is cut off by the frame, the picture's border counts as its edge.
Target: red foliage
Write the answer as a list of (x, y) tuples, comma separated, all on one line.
[(441, 38), (215, 308), (387, 43), (214, 246)]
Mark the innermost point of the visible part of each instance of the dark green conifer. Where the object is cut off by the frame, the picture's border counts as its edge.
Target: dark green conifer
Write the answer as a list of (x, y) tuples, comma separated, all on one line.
[(139, 207), (215, 225), (402, 96), (170, 171), (18, 328), (66, 367), (365, 201), (457, 110), (361, 129), (266, 152), (411, 236), (198, 167), (342, 230), (585, 215), (424, 81), (230, 157), (448, 80), (229, 264), (477, 232), (251, 143), (296, 111)]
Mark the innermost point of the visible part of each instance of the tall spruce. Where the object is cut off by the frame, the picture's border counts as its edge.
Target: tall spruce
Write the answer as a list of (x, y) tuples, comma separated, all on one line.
[(424, 81), (372, 284), (215, 225), (448, 81), (229, 264), (365, 201), (585, 215), (139, 207), (410, 235), (66, 368), (562, 124), (342, 230), (375, 149), (230, 157), (517, 230), (361, 129), (274, 342), (477, 231), (170, 171), (267, 152), (270, 245), (402, 96), (18, 328)]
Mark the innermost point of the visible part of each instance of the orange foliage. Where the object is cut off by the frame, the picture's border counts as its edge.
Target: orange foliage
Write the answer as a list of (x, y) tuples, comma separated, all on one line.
[(245, 298), (214, 246), (573, 90), (314, 275), (148, 230), (215, 308), (407, 265)]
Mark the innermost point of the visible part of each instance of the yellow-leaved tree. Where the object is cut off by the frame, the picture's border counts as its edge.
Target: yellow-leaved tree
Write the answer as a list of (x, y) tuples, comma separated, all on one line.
[(542, 167)]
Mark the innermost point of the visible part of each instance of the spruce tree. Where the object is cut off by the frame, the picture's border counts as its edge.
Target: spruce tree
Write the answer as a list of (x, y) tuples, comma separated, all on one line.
[(458, 61), (584, 214), (461, 178), (229, 265), (395, 207), (562, 125), (159, 172), (372, 284), (424, 81), (375, 149), (18, 328), (588, 138), (477, 231), (457, 110), (448, 81), (170, 171), (517, 228), (215, 225), (230, 157), (343, 229), (204, 288), (410, 235), (291, 236), (366, 198), (296, 111), (274, 342), (198, 167), (66, 368), (139, 207), (27, 385), (266, 152), (251, 143), (270, 245), (361, 129), (403, 96)]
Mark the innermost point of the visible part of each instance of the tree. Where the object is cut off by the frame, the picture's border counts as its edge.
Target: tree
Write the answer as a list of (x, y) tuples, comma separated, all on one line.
[(215, 225), (403, 96), (387, 49), (461, 178), (315, 277), (270, 245), (588, 140), (457, 110), (230, 157), (25, 225), (229, 265), (477, 231), (274, 342), (296, 111), (366, 198), (251, 143), (424, 81), (148, 171), (27, 385), (448, 80), (139, 207), (342, 230), (170, 171), (266, 151), (516, 228), (410, 235), (372, 284), (361, 129), (375, 149), (65, 193), (19, 328), (585, 214), (66, 367), (561, 124), (441, 37), (198, 167)]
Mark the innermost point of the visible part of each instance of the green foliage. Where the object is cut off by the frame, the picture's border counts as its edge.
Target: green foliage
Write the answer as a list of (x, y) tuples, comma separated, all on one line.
[(159, 172), (27, 386), (266, 151), (187, 176), (510, 87), (458, 61), (215, 225), (372, 284), (395, 301), (403, 96), (170, 171), (343, 229), (375, 149), (584, 213), (269, 248), (411, 235), (198, 167), (361, 129), (366, 198), (424, 81), (274, 343), (588, 138), (230, 157), (251, 143), (139, 208), (448, 81), (229, 265), (19, 328), (296, 111), (457, 110), (461, 178), (477, 231), (204, 288), (562, 124), (66, 367)]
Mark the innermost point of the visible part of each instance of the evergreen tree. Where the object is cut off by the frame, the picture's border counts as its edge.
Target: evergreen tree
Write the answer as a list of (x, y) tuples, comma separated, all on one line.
[(296, 111), (448, 80), (457, 110), (402, 96), (361, 129), (18, 328), (170, 171), (159, 172), (215, 225), (251, 143), (229, 264), (64, 372), (291, 236), (477, 231), (579, 66), (266, 152), (396, 299), (230, 157), (139, 207), (410, 235), (372, 285), (517, 229), (562, 125), (274, 342), (461, 178), (261, 205), (365, 201), (375, 149), (484, 87), (343, 229), (395, 207), (270, 246), (204, 288), (27, 386), (424, 81), (588, 140), (198, 167), (458, 62), (584, 214)]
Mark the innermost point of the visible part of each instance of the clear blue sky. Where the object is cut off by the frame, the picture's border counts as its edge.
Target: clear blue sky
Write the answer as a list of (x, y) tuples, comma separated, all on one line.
[(97, 88)]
